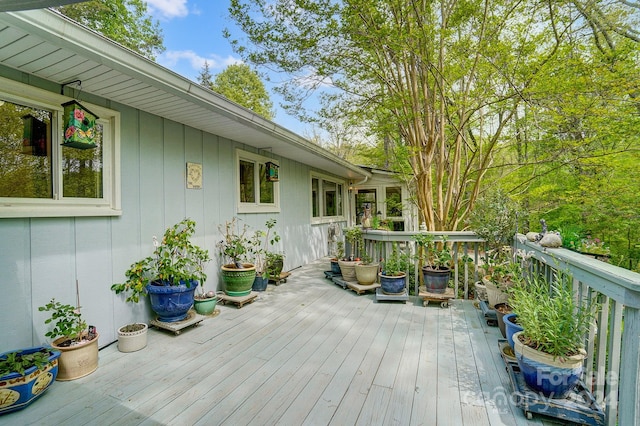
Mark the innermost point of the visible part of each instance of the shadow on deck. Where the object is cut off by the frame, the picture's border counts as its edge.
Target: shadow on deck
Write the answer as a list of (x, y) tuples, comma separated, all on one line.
[(305, 352)]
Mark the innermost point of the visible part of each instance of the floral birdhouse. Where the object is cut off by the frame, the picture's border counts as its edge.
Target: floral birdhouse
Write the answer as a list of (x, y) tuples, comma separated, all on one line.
[(79, 126)]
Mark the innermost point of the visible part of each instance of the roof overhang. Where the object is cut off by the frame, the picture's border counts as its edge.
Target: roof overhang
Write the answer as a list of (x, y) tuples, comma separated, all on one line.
[(46, 44), (6, 5)]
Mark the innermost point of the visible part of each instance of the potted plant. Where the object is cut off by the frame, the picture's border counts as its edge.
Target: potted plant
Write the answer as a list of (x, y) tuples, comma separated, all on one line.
[(494, 218), (437, 256), (339, 255), (393, 275), (77, 343), (170, 275), (353, 236), (259, 250), (132, 337), (366, 270), (237, 273), (550, 348), (275, 264), (25, 374)]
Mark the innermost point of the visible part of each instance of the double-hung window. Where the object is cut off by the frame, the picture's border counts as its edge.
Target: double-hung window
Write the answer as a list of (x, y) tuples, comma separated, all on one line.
[(327, 199), (257, 193), (41, 178)]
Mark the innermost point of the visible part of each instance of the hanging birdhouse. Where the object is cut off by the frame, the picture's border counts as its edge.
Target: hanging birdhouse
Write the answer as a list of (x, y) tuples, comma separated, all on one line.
[(79, 126), (272, 171)]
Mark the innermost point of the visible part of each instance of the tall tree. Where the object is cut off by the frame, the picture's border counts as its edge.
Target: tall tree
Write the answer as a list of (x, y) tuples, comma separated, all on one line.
[(239, 83), (123, 21), (204, 78)]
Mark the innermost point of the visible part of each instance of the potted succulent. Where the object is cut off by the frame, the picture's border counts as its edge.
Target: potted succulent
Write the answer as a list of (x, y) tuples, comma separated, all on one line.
[(353, 236), (237, 273), (393, 275), (25, 374), (550, 348), (437, 256), (77, 343), (170, 275)]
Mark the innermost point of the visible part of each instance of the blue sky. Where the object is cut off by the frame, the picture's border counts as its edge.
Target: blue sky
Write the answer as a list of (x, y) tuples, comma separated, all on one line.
[(193, 34)]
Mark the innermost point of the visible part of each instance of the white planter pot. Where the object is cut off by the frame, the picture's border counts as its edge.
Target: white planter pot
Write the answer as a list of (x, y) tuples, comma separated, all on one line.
[(132, 341), (348, 269), (367, 274), (78, 360)]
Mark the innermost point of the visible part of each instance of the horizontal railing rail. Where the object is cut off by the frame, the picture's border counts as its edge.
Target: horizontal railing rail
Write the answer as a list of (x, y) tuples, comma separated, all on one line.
[(465, 245)]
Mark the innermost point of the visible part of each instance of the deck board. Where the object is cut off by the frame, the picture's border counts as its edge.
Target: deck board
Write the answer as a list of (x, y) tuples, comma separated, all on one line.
[(305, 352)]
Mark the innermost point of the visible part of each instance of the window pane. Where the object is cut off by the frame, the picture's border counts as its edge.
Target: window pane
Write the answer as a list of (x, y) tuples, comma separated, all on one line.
[(266, 187), (394, 201), (365, 196), (25, 152), (315, 200), (339, 201), (82, 169), (247, 175), (330, 195)]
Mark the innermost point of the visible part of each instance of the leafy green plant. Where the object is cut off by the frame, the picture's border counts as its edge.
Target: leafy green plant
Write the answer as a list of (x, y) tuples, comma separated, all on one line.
[(235, 242), (67, 321), (259, 246), (339, 250), (436, 255), (176, 259), (553, 321), (396, 263), (494, 218), (353, 236), (19, 361)]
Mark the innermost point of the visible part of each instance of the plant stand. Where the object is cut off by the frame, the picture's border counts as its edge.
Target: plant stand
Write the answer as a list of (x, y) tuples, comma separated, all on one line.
[(239, 301), (360, 289), (192, 319), (282, 278), (578, 407), (382, 296), (489, 314), (442, 298), (340, 281)]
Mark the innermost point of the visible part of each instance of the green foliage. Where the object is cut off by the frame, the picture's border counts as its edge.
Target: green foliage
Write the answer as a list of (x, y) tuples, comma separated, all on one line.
[(494, 218), (240, 84), (395, 263), (260, 244), (553, 321), (436, 254), (340, 250), (67, 321), (354, 237), (19, 361), (175, 260), (123, 21)]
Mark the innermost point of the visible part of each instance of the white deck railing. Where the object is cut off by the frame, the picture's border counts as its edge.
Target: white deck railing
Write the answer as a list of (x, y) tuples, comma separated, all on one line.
[(612, 368)]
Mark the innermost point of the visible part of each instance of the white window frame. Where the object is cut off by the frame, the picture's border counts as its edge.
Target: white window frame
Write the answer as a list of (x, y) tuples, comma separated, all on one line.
[(257, 206), (58, 206), (321, 178)]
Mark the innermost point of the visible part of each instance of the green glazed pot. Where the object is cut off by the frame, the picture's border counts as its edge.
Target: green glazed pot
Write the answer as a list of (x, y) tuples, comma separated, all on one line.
[(238, 282)]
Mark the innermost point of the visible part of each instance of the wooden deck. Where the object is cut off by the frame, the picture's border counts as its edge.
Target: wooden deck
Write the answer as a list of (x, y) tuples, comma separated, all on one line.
[(306, 352)]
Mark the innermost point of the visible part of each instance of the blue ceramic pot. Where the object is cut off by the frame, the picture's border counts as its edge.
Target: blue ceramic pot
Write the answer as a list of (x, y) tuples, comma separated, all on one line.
[(21, 390), (554, 377), (335, 267), (260, 283), (392, 284), (171, 302), (436, 280), (510, 327)]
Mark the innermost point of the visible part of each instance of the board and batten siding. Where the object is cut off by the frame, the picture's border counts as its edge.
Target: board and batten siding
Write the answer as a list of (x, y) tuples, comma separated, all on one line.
[(42, 258)]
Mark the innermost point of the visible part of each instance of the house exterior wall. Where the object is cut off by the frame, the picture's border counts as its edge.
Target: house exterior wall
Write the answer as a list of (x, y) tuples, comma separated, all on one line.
[(44, 257)]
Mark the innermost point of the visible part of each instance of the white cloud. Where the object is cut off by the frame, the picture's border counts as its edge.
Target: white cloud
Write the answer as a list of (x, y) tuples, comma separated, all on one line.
[(174, 59), (168, 8)]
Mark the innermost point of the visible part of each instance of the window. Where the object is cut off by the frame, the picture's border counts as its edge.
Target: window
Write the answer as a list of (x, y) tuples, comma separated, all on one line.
[(256, 193), (327, 199), (41, 178), (368, 198), (393, 201)]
